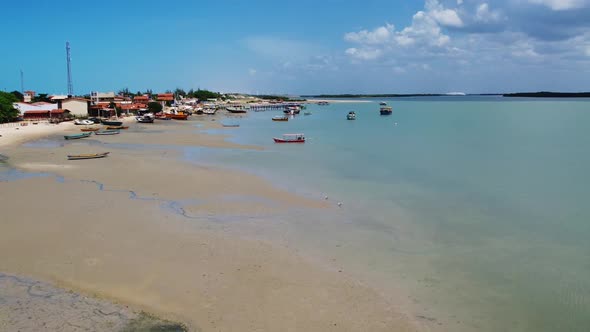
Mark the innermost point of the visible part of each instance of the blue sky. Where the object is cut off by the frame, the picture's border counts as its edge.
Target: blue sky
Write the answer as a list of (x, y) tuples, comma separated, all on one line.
[(299, 47)]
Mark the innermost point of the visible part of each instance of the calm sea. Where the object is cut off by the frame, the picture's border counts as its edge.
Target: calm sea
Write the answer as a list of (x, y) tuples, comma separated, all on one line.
[(471, 211)]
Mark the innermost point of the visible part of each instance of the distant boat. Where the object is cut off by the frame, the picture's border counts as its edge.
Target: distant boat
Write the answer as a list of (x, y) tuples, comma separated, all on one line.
[(111, 123), (280, 118), (351, 116), (231, 125), (117, 127), (77, 136), (87, 156), (307, 113), (383, 103), (386, 110), (290, 138), (89, 129), (236, 110), (292, 110), (107, 132), (323, 103), (83, 122)]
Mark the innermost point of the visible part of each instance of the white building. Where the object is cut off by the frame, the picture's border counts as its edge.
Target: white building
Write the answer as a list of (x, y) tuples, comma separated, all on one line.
[(76, 106), (40, 106)]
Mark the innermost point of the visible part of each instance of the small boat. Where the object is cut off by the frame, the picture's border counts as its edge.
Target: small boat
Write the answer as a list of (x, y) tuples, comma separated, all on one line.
[(280, 118), (385, 110), (144, 119), (236, 110), (89, 129), (77, 136), (83, 122), (179, 116), (209, 111), (290, 138), (383, 103), (231, 125), (107, 132), (111, 123), (351, 116), (323, 103), (87, 156), (307, 113), (117, 127)]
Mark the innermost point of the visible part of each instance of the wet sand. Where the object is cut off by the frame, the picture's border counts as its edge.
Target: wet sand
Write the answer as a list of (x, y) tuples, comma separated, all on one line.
[(117, 228)]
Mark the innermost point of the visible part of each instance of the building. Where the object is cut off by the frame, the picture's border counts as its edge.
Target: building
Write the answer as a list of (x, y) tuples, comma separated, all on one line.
[(57, 115), (77, 106), (39, 106), (141, 99), (165, 97), (28, 96), (97, 97)]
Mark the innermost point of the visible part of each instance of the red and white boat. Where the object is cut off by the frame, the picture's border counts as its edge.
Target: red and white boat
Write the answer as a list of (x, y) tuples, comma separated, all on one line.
[(290, 138)]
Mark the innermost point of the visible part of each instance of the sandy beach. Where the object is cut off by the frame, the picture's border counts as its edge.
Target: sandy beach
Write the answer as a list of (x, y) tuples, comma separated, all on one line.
[(137, 228)]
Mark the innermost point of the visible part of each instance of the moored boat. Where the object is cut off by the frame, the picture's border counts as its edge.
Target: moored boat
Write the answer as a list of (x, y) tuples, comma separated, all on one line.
[(77, 136), (111, 123), (385, 110), (144, 119), (290, 138), (383, 103), (83, 122), (351, 115), (280, 118), (87, 156), (307, 113), (89, 129), (236, 110), (107, 132), (117, 127), (179, 116), (230, 125)]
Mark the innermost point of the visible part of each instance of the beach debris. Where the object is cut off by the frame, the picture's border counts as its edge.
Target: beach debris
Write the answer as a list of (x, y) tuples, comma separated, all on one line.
[(326, 197)]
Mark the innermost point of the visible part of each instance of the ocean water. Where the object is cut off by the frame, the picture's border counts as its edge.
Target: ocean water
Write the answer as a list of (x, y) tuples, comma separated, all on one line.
[(470, 211)]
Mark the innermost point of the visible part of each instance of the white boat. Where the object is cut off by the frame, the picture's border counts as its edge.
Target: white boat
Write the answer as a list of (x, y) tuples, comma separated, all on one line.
[(83, 122), (351, 116)]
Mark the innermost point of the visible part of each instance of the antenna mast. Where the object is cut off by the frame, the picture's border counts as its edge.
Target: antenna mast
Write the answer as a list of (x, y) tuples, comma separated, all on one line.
[(69, 60), (22, 82)]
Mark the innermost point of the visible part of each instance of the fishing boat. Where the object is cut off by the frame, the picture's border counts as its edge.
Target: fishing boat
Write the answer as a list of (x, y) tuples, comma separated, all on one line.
[(89, 129), (83, 122), (292, 110), (107, 132), (290, 138), (87, 156), (111, 123), (77, 136), (307, 113), (144, 119), (385, 110), (351, 115), (236, 110), (383, 103), (117, 127), (177, 116), (280, 118), (209, 111)]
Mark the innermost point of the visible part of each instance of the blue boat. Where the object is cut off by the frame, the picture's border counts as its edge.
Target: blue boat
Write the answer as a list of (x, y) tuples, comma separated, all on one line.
[(77, 136)]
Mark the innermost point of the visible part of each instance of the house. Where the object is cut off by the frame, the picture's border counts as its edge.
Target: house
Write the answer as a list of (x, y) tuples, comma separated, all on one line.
[(96, 96), (28, 96), (141, 99), (165, 97), (52, 115), (77, 106), (39, 106)]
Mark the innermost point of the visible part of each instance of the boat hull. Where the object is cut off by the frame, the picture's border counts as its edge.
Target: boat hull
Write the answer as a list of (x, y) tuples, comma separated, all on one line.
[(89, 129), (280, 119), (117, 127), (88, 156), (177, 116), (77, 136), (112, 123), (107, 132), (281, 140)]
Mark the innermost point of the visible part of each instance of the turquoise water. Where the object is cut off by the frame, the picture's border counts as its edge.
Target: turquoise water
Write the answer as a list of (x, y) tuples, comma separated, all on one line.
[(475, 209)]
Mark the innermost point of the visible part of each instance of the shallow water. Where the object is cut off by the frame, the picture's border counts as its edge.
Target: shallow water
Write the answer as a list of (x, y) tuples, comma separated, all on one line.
[(476, 207)]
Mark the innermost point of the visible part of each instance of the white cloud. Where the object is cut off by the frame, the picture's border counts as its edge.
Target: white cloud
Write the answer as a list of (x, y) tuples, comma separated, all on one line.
[(444, 16), (364, 53), (379, 35), (562, 4), (484, 14)]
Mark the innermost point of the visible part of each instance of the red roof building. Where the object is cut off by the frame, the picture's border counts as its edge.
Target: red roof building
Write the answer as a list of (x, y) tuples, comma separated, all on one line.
[(141, 99), (42, 115), (165, 97)]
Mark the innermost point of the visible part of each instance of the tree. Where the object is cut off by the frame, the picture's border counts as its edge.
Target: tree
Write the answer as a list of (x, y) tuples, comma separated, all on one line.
[(18, 95), (7, 110), (154, 107), (41, 97), (124, 92), (179, 92)]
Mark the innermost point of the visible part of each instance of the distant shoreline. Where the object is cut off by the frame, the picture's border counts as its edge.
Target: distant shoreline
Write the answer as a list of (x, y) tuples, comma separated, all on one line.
[(541, 94)]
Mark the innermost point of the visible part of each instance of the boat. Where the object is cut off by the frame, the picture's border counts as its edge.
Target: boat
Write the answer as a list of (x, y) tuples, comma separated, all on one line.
[(107, 132), (111, 123), (178, 116), (144, 119), (87, 156), (236, 110), (292, 110), (83, 122), (117, 127), (385, 110), (323, 103), (290, 138), (161, 116), (231, 125), (307, 113), (280, 118), (383, 103), (351, 116), (77, 136), (209, 111), (89, 129)]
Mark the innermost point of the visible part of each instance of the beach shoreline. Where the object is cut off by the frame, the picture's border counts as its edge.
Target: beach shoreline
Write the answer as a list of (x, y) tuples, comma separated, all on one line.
[(234, 281)]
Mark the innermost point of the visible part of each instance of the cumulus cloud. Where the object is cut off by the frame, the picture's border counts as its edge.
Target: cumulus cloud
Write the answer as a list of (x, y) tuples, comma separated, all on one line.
[(562, 4), (379, 35)]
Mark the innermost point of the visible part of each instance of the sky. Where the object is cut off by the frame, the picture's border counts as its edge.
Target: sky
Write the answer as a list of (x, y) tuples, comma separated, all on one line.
[(298, 47)]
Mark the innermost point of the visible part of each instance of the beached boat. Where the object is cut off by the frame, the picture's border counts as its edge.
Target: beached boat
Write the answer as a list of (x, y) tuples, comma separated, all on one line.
[(87, 156), (179, 116), (290, 138), (280, 118), (144, 119), (111, 123), (83, 122), (351, 116), (236, 110), (385, 110), (209, 111), (117, 127), (77, 136), (107, 132), (89, 129)]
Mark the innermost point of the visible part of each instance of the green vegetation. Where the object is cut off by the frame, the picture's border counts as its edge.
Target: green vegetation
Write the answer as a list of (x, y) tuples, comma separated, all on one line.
[(154, 107), (548, 94), (18, 95), (41, 97), (284, 98), (148, 323), (7, 111), (203, 94), (389, 95)]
